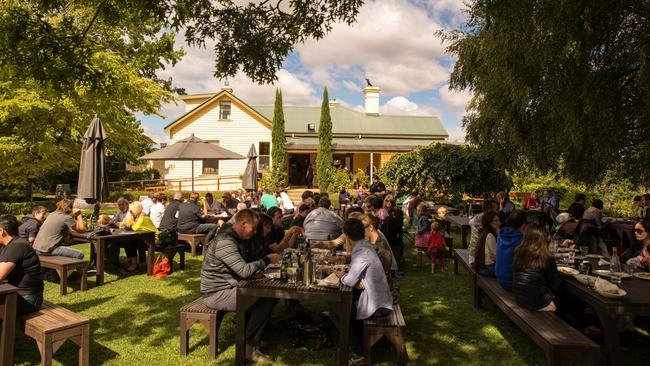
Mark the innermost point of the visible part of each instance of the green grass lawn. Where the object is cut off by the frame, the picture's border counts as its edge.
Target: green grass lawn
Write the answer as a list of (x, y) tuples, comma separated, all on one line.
[(135, 321)]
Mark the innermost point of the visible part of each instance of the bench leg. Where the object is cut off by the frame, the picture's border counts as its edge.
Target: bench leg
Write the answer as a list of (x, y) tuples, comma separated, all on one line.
[(477, 295), (84, 347), (84, 278), (185, 335), (214, 339), (64, 281), (397, 339), (455, 265), (181, 254), (193, 245), (45, 347)]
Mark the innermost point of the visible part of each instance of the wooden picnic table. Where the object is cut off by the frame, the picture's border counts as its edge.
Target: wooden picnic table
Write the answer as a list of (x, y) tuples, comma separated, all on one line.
[(339, 299), (613, 313), (461, 222), (8, 298), (100, 243)]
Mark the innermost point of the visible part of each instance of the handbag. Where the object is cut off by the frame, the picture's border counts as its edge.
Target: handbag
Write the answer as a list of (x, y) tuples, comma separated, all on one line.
[(161, 267)]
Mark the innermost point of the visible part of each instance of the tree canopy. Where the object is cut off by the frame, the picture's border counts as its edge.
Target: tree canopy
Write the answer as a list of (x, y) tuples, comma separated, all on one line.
[(324, 158), (562, 85), (445, 172), (278, 150)]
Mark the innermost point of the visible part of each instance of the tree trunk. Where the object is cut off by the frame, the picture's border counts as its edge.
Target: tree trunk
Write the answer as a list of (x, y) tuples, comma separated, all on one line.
[(29, 190)]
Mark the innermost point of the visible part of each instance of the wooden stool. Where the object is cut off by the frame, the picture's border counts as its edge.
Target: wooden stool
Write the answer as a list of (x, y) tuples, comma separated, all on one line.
[(64, 266), (211, 319), (193, 240), (392, 327), (51, 326)]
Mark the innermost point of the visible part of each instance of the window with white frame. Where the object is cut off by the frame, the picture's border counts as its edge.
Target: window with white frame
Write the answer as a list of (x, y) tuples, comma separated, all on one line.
[(224, 110), (264, 155)]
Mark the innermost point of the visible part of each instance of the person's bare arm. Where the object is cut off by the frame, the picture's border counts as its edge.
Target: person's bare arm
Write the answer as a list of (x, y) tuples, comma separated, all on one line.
[(79, 221), (5, 269)]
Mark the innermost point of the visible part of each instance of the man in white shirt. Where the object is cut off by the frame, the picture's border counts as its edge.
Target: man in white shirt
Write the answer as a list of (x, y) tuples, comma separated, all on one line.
[(148, 202), (286, 203), (158, 210)]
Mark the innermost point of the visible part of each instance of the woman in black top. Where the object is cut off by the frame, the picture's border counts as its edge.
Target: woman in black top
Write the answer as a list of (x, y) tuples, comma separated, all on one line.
[(535, 275), (19, 265)]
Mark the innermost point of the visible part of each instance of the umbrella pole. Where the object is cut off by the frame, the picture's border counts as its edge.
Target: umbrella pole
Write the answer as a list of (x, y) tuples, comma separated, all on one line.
[(192, 175)]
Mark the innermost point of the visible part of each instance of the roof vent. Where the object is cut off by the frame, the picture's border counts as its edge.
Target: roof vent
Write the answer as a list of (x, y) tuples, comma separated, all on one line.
[(226, 87), (311, 127)]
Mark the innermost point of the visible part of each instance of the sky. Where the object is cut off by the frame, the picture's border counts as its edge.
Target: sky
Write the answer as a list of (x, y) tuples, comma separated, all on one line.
[(392, 43)]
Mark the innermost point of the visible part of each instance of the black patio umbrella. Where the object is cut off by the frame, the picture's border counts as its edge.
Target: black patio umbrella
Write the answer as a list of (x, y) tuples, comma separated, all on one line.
[(249, 182), (192, 148), (93, 183)]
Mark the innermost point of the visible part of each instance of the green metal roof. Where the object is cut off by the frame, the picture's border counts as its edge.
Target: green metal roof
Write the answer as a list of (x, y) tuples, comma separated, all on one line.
[(359, 144), (346, 121)]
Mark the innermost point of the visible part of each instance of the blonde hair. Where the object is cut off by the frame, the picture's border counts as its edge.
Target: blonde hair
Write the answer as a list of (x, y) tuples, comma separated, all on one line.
[(422, 207), (135, 208), (355, 215)]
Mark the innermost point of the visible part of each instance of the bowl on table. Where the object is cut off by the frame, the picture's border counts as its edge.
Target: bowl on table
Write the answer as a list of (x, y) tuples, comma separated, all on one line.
[(608, 273)]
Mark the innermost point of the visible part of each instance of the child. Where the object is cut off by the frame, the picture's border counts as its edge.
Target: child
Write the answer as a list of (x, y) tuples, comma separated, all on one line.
[(437, 246), (422, 233)]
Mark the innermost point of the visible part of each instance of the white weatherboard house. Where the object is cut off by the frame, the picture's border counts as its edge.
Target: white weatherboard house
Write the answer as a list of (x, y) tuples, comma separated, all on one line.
[(360, 140)]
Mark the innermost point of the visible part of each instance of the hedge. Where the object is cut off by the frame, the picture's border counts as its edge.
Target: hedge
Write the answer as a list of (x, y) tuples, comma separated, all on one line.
[(24, 208)]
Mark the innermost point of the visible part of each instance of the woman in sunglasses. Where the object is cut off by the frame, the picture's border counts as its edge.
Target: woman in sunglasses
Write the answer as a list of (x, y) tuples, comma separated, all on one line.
[(639, 252)]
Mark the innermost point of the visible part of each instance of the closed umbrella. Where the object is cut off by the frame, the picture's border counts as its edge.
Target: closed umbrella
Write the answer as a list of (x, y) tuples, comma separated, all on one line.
[(93, 183), (192, 148), (249, 182)]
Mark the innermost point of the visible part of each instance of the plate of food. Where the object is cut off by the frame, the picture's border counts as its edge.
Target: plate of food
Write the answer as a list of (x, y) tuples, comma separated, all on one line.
[(567, 271), (608, 273), (274, 275), (584, 279), (564, 250), (612, 293), (643, 275)]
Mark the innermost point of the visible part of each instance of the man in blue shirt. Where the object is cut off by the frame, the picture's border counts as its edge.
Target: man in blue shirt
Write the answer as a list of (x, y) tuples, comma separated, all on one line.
[(509, 238)]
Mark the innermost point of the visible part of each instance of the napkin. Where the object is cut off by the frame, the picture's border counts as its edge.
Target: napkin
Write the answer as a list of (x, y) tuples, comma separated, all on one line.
[(603, 262), (331, 280), (606, 286)]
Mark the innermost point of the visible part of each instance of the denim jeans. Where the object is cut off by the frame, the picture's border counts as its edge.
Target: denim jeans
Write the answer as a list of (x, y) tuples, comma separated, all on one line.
[(210, 229), (64, 252), (29, 303)]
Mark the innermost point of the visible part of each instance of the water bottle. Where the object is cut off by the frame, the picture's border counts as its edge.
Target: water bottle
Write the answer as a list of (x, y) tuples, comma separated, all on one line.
[(615, 267), (308, 269)]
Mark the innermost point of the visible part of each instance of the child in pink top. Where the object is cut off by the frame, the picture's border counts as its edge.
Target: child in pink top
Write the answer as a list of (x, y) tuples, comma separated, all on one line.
[(437, 246)]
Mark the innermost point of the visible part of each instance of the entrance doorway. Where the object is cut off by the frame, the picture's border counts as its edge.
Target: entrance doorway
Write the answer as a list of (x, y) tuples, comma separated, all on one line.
[(298, 164)]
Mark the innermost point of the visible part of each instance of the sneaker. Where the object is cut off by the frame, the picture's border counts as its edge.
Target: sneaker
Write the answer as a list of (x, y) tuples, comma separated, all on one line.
[(355, 359), (253, 354)]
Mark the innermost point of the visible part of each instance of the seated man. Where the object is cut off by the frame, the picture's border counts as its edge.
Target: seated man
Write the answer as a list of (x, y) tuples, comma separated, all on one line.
[(268, 200), (148, 202), (19, 265), (56, 229), (169, 222), (278, 240), (210, 206), (32, 223), (367, 276), (191, 219), (322, 224), (299, 220), (158, 210), (224, 266)]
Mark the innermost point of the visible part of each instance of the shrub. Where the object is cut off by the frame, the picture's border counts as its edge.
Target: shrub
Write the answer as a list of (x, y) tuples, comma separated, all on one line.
[(24, 208), (339, 178)]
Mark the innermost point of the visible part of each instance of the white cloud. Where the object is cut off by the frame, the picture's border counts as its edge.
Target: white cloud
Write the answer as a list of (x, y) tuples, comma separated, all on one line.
[(456, 101), (157, 135), (456, 134), (403, 106), (392, 43)]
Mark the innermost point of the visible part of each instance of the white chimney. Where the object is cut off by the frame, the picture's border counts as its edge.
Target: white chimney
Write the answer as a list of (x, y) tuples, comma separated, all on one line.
[(226, 87), (334, 103), (371, 100)]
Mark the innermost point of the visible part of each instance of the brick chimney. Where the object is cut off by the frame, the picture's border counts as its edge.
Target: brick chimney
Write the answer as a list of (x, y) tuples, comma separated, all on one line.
[(371, 100)]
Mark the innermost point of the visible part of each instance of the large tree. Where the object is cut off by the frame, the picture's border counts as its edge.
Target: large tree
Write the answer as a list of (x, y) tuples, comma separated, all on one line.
[(562, 85), (278, 150), (324, 159)]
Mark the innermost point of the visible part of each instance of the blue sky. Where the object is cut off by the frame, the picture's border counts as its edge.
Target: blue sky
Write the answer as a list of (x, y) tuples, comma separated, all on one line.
[(392, 43)]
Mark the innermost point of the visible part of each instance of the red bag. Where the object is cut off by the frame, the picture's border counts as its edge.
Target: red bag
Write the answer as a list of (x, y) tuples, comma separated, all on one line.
[(161, 267)]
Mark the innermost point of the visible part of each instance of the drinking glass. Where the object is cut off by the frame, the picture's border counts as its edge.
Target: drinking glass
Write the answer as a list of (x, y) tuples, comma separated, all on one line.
[(583, 267), (584, 250), (292, 275), (629, 269), (615, 277), (591, 282)]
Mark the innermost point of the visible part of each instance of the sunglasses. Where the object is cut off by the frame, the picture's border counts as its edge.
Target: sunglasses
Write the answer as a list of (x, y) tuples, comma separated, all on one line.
[(639, 231)]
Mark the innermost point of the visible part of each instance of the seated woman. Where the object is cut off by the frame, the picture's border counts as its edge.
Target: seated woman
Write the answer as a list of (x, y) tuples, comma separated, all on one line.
[(486, 247), (19, 265), (638, 253), (278, 240), (344, 196), (385, 254), (138, 221), (535, 275), (589, 229)]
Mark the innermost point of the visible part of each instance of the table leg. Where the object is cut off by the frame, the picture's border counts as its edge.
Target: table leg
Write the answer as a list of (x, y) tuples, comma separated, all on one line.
[(243, 303), (464, 231), (100, 246), (345, 309), (611, 329), (8, 330), (152, 251)]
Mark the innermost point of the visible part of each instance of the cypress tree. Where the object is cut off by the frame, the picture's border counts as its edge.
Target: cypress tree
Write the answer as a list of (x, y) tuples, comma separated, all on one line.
[(324, 158), (277, 142)]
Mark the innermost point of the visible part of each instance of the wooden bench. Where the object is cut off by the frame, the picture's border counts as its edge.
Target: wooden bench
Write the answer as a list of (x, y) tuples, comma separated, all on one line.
[(64, 266), (211, 319), (462, 256), (51, 326), (392, 327), (194, 240), (562, 344)]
